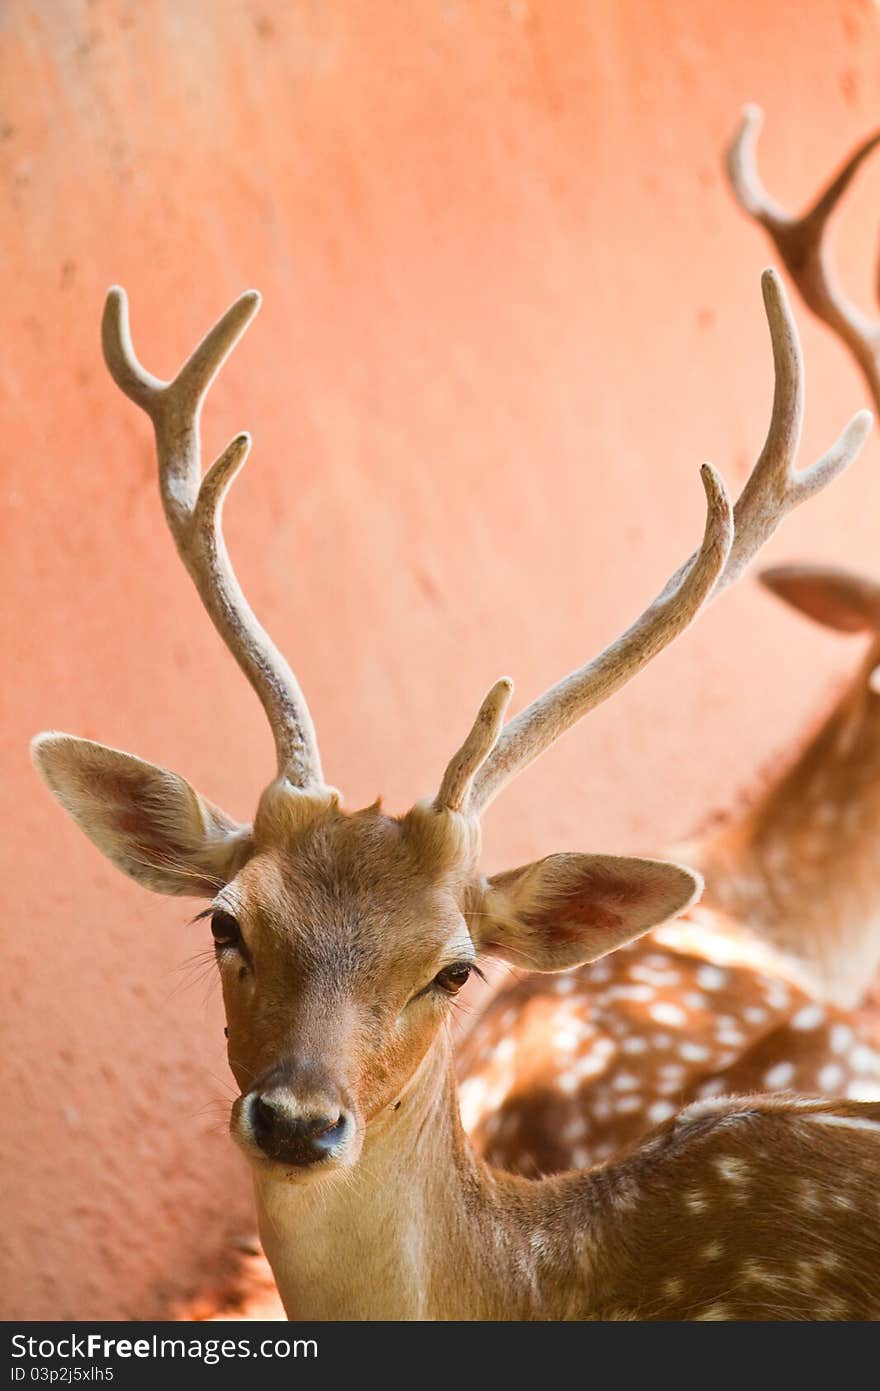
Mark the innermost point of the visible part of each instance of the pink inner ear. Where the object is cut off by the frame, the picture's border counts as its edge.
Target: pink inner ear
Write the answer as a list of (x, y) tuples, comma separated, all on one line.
[(124, 792), (587, 905)]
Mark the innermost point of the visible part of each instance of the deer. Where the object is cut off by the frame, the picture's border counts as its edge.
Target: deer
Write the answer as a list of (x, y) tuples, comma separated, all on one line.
[(342, 939), (757, 987), (760, 985), (822, 813)]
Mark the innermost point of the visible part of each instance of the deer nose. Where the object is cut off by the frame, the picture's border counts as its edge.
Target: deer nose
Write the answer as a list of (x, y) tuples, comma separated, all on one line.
[(291, 1136)]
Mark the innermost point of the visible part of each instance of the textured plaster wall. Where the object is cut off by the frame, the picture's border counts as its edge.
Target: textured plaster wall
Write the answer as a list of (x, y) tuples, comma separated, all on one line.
[(509, 310)]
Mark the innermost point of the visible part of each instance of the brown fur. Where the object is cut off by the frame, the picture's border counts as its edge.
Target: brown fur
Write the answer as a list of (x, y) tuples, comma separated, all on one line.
[(801, 865)]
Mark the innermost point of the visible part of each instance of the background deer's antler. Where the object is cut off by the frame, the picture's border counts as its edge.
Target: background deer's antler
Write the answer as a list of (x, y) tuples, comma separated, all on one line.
[(802, 243)]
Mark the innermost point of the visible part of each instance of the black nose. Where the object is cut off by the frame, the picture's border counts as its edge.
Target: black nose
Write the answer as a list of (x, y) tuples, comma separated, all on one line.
[(292, 1139)]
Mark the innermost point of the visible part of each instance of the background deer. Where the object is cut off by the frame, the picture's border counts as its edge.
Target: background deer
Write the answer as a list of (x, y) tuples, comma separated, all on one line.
[(731, 998), (822, 815), (761, 985), (342, 938)]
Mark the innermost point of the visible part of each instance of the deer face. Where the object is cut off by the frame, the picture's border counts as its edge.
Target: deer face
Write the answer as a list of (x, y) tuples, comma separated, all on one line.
[(340, 948), (342, 940)]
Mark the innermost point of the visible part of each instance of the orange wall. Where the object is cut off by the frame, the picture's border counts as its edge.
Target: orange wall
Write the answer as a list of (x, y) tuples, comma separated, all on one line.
[(509, 309)]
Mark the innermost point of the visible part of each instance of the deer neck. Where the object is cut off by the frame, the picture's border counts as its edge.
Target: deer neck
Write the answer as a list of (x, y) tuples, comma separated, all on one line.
[(421, 1230), (802, 867)]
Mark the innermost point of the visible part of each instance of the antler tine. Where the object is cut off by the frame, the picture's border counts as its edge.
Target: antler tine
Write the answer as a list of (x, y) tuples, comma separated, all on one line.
[(464, 765), (542, 722), (801, 243), (772, 489), (193, 509)]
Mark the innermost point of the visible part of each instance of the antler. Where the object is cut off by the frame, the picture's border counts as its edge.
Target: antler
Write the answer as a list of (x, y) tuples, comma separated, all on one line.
[(463, 767), (801, 243), (193, 508), (772, 490)]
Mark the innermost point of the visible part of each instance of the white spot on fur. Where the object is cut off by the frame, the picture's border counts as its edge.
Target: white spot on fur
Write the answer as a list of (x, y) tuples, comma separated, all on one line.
[(628, 1104), (733, 1170), (694, 1052), (863, 1091), (755, 1014), (660, 959), (779, 1076), (841, 1038), (660, 1111), (674, 1071), (863, 1058), (696, 1201), (651, 976), (664, 1013), (759, 1274), (576, 1129), (830, 1076), (711, 977), (810, 1017), (635, 1044), (811, 1198), (828, 1260), (695, 1000), (777, 995), (595, 1062), (640, 993), (567, 1040), (669, 1086), (625, 1082), (807, 1272)]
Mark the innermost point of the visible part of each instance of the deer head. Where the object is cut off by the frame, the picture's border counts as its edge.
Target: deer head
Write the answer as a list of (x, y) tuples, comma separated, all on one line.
[(342, 938)]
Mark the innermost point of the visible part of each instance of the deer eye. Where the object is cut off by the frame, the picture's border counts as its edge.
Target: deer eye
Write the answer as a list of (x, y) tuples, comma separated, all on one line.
[(453, 977), (225, 930)]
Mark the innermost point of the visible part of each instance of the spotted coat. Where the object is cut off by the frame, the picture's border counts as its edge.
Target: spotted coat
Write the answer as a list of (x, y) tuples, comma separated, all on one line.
[(562, 1071)]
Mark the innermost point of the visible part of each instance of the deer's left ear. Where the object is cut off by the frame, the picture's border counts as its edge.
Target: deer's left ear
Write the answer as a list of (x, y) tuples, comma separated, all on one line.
[(568, 909)]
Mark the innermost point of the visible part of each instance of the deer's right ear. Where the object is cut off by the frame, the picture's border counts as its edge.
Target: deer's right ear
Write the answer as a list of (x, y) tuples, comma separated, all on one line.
[(838, 599), (147, 820)]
